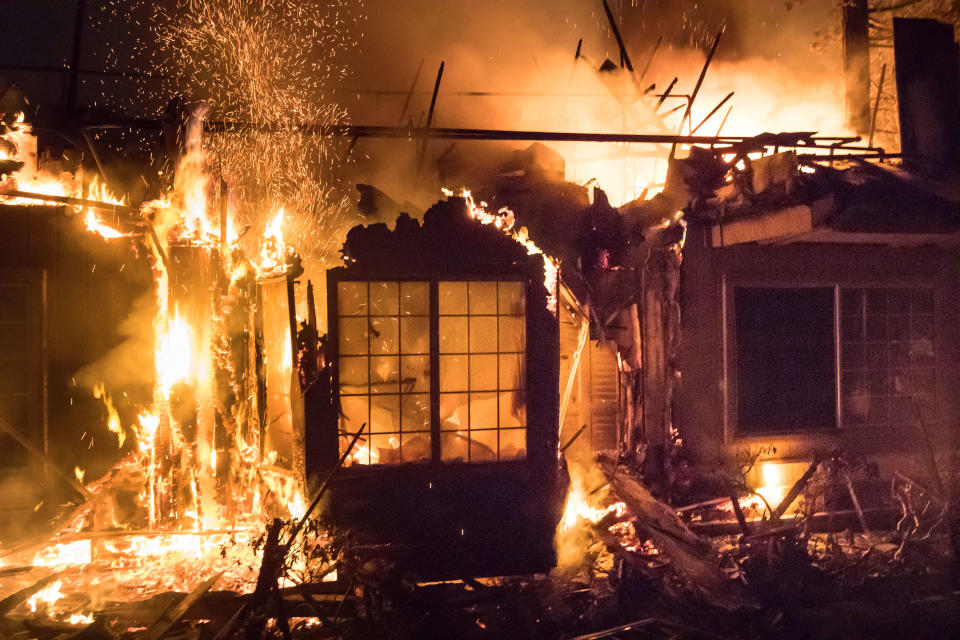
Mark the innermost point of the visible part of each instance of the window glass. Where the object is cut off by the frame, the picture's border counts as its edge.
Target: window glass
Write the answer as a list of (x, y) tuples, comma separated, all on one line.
[(453, 334), (452, 298), (415, 335), (384, 335), (352, 298), (387, 391), (483, 334), (483, 298), (887, 355), (385, 370), (454, 374), (785, 358), (510, 298), (353, 336), (414, 298), (384, 298)]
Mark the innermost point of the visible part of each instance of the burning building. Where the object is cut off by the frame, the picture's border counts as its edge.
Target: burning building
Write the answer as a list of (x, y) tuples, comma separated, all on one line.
[(523, 377)]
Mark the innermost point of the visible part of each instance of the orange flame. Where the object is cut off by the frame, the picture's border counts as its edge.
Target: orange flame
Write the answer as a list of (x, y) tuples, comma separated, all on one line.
[(504, 220)]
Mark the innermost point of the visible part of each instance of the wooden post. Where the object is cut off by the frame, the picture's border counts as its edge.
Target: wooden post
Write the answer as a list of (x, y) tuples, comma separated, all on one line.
[(856, 64)]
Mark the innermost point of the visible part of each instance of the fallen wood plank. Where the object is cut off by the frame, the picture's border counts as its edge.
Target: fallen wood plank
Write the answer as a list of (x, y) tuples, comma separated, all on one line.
[(692, 557), (856, 504), (169, 617), (824, 522), (737, 511), (796, 489)]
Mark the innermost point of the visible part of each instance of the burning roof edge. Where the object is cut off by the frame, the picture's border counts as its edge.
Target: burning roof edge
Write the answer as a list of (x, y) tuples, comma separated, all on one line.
[(781, 199)]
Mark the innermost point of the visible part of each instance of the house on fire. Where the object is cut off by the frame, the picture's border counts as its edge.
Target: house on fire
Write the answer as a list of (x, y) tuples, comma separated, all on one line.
[(767, 300)]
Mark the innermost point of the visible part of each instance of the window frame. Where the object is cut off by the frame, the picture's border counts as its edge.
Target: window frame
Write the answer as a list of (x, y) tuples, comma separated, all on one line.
[(730, 379), (433, 281)]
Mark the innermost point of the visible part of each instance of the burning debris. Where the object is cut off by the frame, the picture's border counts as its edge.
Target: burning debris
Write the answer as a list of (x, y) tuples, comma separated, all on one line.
[(525, 411)]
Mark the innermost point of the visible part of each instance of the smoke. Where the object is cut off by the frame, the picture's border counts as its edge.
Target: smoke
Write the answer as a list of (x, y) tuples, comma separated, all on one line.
[(512, 65), (130, 363)]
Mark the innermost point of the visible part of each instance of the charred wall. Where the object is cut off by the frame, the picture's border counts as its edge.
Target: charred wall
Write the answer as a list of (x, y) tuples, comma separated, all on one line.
[(702, 410)]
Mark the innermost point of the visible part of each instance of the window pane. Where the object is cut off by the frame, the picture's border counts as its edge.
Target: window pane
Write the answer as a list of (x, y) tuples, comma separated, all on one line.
[(383, 335), (513, 444), (897, 341), (483, 297), (353, 336), (353, 375), (513, 410), (851, 302), (414, 298), (415, 447), (384, 300), (352, 298), (483, 334), (785, 358), (453, 298), (510, 298), (415, 374), (454, 446), (384, 374), (453, 411), (898, 301), (453, 334), (415, 335), (384, 414), (483, 373), (354, 410), (483, 445), (385, 449), (512, 336), (511, 371), (483, 410), (360, 453), (415, 412), (921, 300), (453, 373)]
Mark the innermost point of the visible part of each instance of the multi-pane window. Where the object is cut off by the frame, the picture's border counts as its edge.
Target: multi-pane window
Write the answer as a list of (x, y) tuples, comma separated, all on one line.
[(482, 340), (386, 367), (888, 358), (785, 355)]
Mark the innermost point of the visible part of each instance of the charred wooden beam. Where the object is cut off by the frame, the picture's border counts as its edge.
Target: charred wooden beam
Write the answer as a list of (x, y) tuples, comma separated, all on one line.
[(624, 56), (413, 86), (809, 140), (171, 615), (713, 111), (795, 490), (856, 63), (79, 202), (696, 88), (876, 105)]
